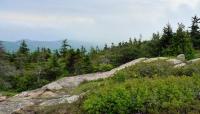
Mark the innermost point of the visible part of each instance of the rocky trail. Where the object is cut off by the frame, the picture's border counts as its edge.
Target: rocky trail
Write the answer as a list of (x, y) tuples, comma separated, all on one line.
[(53, 93)]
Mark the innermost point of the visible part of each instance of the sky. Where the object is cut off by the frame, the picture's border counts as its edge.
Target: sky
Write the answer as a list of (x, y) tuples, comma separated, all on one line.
[(91, 20)]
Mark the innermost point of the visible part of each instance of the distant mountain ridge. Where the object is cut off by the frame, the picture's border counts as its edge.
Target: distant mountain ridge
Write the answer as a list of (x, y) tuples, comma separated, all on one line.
[(53, 45)]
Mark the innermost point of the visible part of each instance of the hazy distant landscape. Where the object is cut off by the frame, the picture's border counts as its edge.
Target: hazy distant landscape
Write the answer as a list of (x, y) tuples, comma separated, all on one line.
[(53, 45)]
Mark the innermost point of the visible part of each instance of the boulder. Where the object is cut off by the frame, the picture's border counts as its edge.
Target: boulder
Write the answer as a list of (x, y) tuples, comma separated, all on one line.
[(193, 61), (180, 65), (2, 98), (181, 57), (53, 86), (60, 100), (174, 61), (155, 59), (48, 94), (30, 94)]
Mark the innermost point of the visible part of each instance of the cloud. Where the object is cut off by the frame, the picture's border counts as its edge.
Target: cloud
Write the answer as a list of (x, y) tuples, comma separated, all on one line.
[(43, 20), (108, 20), (177, 3)]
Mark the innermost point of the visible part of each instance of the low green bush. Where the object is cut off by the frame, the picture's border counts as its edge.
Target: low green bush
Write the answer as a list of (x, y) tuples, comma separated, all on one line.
[(147, 95), (103, 67), (159, 68), (111, 101)]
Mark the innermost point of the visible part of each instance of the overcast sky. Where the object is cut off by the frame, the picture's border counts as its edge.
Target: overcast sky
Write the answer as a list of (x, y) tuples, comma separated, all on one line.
[(91, 20)]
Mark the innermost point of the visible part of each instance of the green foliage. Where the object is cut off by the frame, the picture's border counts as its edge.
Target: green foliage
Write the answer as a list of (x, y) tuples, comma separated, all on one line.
[(64, 48), (104, 67), (146, 88), (195, 33), (112, 101), (28, 70), (166, 94), (23, 49), (155, 68)]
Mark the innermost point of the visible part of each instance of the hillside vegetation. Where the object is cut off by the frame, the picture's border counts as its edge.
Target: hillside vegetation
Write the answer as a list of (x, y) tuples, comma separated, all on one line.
[(155, 87), (147, 87)]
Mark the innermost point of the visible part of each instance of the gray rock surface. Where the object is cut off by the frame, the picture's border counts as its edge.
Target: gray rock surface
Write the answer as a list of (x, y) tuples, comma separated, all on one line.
[(174, 61), (180, 65), (193, 61), (181, 57)]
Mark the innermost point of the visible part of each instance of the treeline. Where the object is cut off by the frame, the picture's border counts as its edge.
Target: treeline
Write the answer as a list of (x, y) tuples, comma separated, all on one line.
[(24, 70)]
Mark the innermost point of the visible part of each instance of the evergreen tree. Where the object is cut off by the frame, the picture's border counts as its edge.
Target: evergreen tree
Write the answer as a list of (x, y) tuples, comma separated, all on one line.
[(154, 47), (2, 53), (83, 50), (56, 53), (23, 49), (182, 42), (195, 32), (105, 47), (87, 66), (189, 51), (54, 69), (70, 61), (64, 48), (178, 43), (166, 40)]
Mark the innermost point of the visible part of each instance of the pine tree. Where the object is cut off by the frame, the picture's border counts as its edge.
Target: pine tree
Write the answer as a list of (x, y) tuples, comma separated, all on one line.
[(178, 40), (105, 47), (2, 53), (166, 40), (23, 49), (154, 47), (64, 48), (182, 42), (195, 32), (83, 50), (189, 51)]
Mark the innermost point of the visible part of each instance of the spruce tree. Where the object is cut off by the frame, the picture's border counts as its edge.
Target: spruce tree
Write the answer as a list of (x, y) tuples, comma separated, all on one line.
[(195, 32), (154, 47), (23, 49), (1, 51), (64, 48), (182, 42), (166, 40)]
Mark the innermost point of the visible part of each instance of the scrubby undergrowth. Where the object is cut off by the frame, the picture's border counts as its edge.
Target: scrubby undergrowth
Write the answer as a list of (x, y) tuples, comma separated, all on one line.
[(151, 88)]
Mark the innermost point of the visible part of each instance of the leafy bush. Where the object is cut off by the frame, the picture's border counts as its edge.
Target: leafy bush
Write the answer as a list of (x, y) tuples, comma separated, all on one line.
[(188, 70), (147, 95), (160, 68), (103, 67), (112, 101)]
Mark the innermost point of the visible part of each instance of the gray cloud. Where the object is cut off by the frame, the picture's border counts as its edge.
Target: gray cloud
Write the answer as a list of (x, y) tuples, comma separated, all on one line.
[(91, 20)]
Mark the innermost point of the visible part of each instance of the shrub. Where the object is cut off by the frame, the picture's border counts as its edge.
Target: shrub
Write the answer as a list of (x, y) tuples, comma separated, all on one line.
[(188, 70), (110, 101), (148, 95), (105, 67), (160, 68)]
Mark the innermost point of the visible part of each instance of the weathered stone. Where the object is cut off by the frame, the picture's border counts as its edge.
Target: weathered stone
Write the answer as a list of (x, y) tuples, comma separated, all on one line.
[(48, 94), (180, 65), (181, 57), (193, 61), (155, 59), (30, 94), (174, 61), (60, 100), (53, 86), (3, 98)]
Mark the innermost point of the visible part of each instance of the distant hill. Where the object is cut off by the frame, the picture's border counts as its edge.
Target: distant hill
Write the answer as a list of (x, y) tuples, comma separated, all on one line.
[(14, 45)]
